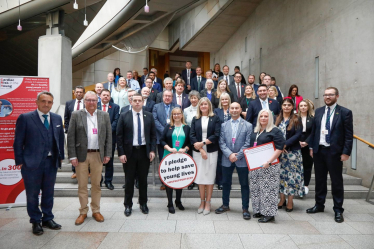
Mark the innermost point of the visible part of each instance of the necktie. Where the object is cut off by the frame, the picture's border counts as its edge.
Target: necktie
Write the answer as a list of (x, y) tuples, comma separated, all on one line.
[(227, 80), (263, 104), (198, 83), (179, 100), (328, 125), (46, 124), (238, 90), (128, 82), (78, 106), (139, 130), (104, 108)]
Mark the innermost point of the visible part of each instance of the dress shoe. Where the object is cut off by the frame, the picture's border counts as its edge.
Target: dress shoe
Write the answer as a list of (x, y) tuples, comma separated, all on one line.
[(109, 186), (220, 187), (257, 215), (314, 210), (266, 219), (137, 183), (128, 211), (171, 210), (37, 229), (124, 186), (144, 209), (162, 187), (51, 225), (339, 217), (246, 214), (206, 211), (192, 185), (98, 217), (200, 210), (179, 205), (289, 209), (73, 176), (222, 209), (283, 205), (80, 219)]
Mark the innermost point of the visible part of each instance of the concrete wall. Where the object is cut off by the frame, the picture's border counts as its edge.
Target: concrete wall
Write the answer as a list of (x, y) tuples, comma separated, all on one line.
[(98, 71), (292, 33)]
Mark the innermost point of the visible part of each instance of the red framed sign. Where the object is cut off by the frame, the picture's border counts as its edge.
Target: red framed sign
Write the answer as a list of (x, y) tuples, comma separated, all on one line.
[(257, 156)]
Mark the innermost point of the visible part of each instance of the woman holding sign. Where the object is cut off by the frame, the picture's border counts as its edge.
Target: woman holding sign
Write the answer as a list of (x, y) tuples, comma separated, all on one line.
[(292, 172), (175, 139), (264, 182), (205, 132)]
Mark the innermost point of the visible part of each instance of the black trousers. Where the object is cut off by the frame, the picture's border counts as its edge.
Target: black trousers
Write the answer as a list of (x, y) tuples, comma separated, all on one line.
[(307, 164), (169, 193), (109, 167), (136, 165), (325, 162)]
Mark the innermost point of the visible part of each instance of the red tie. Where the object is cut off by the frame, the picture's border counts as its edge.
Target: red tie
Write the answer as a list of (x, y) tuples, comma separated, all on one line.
[(104, 109), (78, 104), (238, 91)]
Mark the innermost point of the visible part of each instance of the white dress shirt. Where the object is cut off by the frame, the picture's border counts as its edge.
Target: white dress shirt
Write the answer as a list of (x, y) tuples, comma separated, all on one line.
[(106, 107), (135, 129), (93, 139), (322, 137), (227, 78), (76, 104), (145, 102)]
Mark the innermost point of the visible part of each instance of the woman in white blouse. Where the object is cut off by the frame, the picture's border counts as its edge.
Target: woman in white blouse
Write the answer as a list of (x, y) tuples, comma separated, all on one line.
[(190, 112), (119, 95)]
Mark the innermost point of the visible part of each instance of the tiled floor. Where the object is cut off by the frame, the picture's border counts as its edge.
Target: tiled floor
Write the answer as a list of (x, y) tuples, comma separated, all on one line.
[(187, 229)]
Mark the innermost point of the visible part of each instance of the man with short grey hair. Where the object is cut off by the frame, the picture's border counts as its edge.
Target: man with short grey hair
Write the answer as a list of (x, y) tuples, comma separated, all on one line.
[(133, 84), (89, 146), (111, 84), (168, 83), (157, 79)]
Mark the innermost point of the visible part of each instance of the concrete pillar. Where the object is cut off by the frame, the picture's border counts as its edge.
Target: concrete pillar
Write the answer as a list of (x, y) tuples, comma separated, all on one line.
[(55, 61)]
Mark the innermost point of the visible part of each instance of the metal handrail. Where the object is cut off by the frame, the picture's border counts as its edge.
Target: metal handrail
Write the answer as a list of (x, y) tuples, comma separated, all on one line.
[(364, 141)]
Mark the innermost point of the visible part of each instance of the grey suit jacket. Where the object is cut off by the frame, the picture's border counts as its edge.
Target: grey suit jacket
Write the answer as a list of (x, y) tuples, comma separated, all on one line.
[(77, 139), (242, 141), (231, 79)]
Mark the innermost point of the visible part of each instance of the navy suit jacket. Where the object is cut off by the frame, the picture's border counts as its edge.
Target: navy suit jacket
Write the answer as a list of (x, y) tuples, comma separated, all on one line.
[(160, 117), (153, 95), (30, 140), (192, 75), (149, 105), (232, 88), (220, 114), (194, 84), (106, 85), (157, 86), (114, 116), (255, 107), (127, 108), (185, 101), (341, 131), (69, 108)]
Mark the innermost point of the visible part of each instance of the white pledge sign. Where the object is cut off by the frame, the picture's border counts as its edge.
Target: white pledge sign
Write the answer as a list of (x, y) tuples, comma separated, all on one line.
[(177, 170)]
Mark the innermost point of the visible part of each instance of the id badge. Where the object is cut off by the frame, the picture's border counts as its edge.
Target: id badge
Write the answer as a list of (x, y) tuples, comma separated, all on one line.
[(325, 132), (176, 143), (94, 130), (168, 121), (233, 140), (254, 144), (294, 111)]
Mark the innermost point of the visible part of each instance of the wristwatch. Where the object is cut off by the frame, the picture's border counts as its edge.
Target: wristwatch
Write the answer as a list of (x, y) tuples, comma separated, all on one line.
[(204, 143), (269, 163), (186, 150)]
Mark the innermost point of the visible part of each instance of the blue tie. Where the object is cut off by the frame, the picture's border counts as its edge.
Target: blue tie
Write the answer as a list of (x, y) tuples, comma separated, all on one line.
[(46, 124), (328, 125), (139, 130)]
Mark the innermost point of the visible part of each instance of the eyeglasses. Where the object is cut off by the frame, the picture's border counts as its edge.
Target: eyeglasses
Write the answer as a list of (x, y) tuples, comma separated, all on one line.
[(90, 100), (177, 114), (329, 95), (137, 100)]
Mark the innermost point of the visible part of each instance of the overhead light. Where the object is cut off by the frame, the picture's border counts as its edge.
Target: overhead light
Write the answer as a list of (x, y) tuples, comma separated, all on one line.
[(19, 27), (75, 5), (85, 22), (146, 7)]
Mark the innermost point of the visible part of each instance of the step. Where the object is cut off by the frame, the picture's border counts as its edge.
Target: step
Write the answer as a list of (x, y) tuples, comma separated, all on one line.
[(71, 190), (118, 177)]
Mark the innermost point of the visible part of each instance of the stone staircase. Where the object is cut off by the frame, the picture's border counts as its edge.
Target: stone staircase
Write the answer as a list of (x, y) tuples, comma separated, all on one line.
[(67, 187)]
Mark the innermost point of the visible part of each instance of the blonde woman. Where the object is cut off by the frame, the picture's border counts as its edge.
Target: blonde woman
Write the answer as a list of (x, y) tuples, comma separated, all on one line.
[(221, 88), (264, 182), (274, 94), (204, 136), (119, 95), (249, 95)]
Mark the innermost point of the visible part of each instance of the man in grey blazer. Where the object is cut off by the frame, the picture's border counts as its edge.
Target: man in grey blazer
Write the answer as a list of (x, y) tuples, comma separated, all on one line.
[(89, 146), (229, 78), (234, 138)]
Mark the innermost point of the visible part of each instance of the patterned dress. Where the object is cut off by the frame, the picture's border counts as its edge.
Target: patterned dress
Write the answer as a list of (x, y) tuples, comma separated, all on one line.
[(291, 171)]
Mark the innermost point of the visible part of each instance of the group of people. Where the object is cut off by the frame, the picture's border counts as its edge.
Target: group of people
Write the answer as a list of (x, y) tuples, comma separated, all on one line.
[(212, 118)]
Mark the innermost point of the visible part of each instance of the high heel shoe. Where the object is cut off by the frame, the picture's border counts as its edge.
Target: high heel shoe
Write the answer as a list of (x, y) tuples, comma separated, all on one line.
[(200, 210), (289, 209), (206, 212), (283, 205)]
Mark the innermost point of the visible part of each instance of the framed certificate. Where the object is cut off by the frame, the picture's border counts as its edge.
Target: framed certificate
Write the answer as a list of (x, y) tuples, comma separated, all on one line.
[(257, 156)]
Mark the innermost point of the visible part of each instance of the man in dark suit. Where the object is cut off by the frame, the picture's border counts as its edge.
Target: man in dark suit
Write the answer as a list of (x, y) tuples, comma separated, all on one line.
[(187, 75), (168, 82), (144, 76), (136, 139), (106, 106), (330, 145), (180, 97), (237, 70), (89, 145), (263, 102), (70, 106), (155, 85), (229, 78), (111, 84), (251, 82), (161, 113), (153, 92), (198, 82), (156, 79), (38, 151), (148, 103), (237, 88)]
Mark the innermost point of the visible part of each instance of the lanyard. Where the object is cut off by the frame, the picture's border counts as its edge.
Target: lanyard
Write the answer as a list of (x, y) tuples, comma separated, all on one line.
[(258, 134), (328, 118), (179, 131), (91, 120), (248, 100)]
